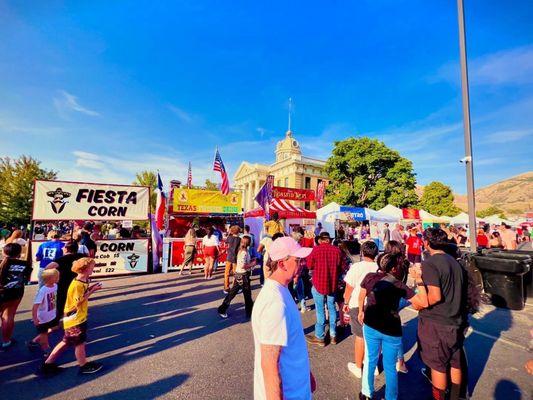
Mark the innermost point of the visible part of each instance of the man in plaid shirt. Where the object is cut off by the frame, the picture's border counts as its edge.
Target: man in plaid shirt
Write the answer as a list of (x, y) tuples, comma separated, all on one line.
[(325, 262)]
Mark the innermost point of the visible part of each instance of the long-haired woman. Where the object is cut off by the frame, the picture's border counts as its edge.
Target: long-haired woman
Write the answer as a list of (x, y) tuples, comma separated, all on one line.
[(241, 281), (14, 274), (189, 250), (210, 247)]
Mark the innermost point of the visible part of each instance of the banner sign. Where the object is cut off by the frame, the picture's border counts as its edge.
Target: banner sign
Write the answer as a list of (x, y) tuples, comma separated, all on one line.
[(177, 254), (410, 213), (59, 201), (206, 201), (352, 214), (113, 257), (293, 194)]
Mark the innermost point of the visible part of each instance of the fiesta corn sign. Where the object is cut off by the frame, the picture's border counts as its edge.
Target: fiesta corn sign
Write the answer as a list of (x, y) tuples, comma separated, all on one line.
[(59, 200), (205, 202)]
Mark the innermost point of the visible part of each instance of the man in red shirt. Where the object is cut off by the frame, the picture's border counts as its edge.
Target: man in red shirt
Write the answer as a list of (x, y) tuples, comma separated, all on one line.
[(326, 262)]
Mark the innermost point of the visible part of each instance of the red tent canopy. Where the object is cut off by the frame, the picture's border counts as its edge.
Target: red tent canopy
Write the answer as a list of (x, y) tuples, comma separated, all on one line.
[(284, 210)]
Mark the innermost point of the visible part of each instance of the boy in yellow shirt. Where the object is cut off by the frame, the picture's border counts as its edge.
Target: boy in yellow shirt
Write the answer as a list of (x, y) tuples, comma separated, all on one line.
[(75, 319), (274, 225)]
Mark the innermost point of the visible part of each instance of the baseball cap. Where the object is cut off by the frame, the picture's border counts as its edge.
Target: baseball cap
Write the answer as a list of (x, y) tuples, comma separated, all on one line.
[(285, 247)]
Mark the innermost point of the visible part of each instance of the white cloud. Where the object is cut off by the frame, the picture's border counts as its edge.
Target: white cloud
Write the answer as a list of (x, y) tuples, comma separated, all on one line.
[(67, 102), (506, 67), (508, 136), (181, 113)]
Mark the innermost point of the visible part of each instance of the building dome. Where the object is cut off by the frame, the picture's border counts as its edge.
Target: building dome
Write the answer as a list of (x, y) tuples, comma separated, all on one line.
[(287, 147)]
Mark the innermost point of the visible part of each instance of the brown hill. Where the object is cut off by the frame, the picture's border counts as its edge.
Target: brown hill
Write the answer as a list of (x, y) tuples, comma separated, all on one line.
[(513, 195)]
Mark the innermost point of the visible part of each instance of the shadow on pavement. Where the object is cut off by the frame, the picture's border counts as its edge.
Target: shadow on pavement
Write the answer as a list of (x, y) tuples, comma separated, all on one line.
[(507, 390), (478, 348), (119, 332), (145, 392)]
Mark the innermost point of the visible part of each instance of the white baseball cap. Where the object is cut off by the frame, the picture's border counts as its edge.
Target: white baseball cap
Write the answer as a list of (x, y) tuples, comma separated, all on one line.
[(287, 247)]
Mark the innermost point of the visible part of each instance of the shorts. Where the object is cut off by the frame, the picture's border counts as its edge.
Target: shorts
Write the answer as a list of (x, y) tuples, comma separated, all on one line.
[(76, 335), (440, 345), (11, 295), (43, 328), (414, 258), (357, 328), (210, 251)]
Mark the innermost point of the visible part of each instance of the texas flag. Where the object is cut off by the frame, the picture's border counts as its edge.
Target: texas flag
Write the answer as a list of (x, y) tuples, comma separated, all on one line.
[(161, 204)]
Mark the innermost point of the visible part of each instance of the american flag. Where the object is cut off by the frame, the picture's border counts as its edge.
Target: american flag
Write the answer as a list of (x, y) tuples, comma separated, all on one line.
[(189, 176), (218, 166)]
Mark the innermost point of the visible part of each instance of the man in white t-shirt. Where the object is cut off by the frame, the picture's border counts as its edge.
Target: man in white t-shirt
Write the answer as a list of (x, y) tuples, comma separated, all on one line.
[(353, 279), (281, 369)]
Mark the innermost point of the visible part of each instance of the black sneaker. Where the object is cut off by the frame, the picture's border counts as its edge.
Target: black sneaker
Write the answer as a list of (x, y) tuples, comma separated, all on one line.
[(90, 368), (33, 345), (363, 397), (50, 369)]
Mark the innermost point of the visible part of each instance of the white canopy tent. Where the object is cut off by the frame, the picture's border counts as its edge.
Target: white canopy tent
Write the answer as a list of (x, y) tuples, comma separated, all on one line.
[(427, 217), (461, 219), (393, 211)]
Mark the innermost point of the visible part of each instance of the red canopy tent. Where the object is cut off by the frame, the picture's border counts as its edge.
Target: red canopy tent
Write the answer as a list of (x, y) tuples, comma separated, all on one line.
[(284, 210)]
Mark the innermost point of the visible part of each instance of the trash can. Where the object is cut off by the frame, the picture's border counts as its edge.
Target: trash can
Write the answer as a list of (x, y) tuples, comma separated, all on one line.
[(504, 275), (519, 255)]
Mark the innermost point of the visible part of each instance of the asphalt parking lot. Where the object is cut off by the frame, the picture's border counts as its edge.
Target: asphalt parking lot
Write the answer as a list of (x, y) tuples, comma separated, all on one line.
[(159, 337)]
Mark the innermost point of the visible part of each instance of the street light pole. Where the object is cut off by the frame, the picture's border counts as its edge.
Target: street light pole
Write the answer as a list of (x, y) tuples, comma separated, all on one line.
[(468, 160)]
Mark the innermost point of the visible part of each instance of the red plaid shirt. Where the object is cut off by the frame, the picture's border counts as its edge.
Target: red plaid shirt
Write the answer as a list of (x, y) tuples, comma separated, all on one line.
[(326, 263)]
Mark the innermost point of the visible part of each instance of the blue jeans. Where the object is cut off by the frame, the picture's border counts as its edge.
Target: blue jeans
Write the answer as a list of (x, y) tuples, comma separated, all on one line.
[(390, 346), (300, 295), (320, 325)]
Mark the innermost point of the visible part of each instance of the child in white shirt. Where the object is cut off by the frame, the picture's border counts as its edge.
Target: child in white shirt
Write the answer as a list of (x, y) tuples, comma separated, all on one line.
[(44, 310)]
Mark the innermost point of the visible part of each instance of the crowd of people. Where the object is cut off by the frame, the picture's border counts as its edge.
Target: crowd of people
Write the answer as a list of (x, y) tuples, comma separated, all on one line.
[(358, 281)]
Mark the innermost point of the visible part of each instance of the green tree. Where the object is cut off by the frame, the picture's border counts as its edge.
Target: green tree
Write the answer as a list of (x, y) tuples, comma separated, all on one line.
[(492, 210), (365, 172), (148, 178), (16, 187), (210, 185), (437, 199)]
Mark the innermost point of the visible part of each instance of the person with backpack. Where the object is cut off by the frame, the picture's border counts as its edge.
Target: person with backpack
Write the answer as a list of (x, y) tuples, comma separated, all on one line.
[(442, 324)]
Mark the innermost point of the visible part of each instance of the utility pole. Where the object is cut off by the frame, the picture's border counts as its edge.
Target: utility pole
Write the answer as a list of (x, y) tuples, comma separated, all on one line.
[(468, 160)]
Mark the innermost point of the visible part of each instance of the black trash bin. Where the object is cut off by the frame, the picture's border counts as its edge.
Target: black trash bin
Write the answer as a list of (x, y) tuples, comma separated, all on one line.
[(504, 277)]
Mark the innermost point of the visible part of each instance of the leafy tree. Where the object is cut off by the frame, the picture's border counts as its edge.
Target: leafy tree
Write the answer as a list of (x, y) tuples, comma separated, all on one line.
[(437, 199), (365, 172), (148, 178), (209, 185), (16, 187), (492, 210)]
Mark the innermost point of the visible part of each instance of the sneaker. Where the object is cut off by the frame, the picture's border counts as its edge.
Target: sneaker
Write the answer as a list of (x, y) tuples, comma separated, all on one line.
[(223, 315), (363, 397), (33, 345), (333, 340), (90, 368), (312, 339), (401, 367), (225, 291), (46, 354), (354, 369), (50, 369)]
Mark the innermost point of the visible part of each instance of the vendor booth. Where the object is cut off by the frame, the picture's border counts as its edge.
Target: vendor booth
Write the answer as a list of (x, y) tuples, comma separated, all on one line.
[(332, 214), (290, 214), (201, 209), (61, 202)]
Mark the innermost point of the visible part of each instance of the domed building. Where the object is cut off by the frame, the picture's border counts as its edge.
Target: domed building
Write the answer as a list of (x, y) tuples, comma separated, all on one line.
[(290, 169)]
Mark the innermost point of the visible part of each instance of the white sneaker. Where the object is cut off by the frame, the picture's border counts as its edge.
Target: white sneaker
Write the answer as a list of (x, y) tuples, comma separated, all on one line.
[(354, 369)]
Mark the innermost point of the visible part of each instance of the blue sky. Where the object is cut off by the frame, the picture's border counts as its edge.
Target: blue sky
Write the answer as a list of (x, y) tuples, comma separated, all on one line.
[(100, 90)]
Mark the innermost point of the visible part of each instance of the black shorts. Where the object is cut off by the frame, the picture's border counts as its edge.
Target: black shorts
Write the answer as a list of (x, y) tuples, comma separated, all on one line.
[(43, 328), (440, 345), (357, 328), (76, 335), (414, 258), (11, 295)]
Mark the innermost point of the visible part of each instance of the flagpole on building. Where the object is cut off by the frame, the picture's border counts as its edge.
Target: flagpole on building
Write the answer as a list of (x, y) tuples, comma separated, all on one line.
[(468, 160)]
